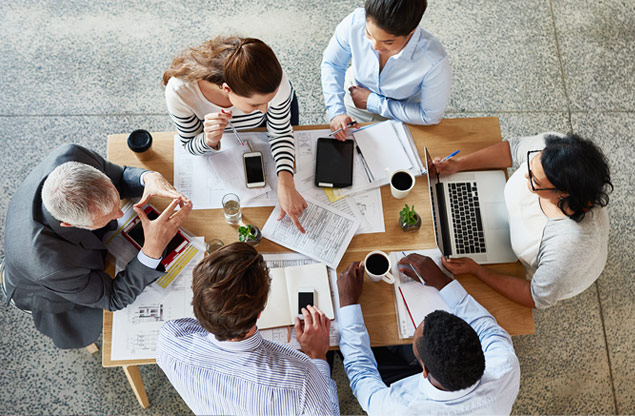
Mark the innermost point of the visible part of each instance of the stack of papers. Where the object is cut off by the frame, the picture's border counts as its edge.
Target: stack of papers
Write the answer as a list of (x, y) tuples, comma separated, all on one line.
[(385, 147)]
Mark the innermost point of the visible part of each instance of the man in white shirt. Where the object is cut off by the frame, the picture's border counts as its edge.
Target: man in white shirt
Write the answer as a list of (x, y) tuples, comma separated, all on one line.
[(468, 361), (221, 364)]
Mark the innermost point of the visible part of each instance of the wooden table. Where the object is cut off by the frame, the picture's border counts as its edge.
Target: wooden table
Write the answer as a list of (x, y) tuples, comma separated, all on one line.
[(377, 300)]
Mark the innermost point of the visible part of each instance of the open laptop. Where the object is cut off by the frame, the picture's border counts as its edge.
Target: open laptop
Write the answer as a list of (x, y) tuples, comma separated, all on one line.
[(470, 217)]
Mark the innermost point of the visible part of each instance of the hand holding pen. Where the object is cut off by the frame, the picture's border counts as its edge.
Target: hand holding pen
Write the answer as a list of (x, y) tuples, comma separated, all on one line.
[(339, 124), (447, 165), (231, 126), (213, 127)]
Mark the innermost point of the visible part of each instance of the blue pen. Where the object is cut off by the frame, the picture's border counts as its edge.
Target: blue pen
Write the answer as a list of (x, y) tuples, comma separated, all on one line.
[(448, 157), (414, 270)]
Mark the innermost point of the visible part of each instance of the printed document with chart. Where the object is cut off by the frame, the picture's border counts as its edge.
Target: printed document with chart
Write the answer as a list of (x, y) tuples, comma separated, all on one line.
[(328, 232)]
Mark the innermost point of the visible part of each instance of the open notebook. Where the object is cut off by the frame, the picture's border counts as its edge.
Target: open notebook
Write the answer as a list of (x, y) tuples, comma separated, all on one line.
[(282, 305), (413, 301)]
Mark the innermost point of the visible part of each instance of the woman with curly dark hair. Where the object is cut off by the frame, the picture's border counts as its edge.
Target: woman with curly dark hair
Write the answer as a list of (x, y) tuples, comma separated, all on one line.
[(558, 218)]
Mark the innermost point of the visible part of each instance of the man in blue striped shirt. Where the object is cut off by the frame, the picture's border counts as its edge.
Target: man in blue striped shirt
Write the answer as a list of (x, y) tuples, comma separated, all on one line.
[(220, 364)]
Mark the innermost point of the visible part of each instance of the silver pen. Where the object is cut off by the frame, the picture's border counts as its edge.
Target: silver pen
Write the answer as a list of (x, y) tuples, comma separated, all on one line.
[(231, 126), (351, 124), (414, 270)]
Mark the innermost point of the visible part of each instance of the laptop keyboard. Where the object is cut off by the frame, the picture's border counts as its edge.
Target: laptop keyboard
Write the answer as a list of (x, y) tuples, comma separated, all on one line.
[(466, 218)]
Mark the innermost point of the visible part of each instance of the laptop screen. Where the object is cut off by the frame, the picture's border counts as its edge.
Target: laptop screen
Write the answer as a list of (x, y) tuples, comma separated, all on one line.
[(433, 179)]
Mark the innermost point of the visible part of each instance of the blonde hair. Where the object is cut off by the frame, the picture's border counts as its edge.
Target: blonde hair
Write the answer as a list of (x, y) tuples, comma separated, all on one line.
[(247, 65)]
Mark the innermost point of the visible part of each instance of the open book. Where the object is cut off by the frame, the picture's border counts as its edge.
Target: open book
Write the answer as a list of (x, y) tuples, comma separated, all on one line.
[(282, 305)]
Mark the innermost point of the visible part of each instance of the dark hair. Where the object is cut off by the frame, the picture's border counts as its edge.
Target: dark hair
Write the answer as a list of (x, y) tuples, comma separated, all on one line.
[(247, 65), (231, 287), (397, 17), (450, 350), (579, 168)]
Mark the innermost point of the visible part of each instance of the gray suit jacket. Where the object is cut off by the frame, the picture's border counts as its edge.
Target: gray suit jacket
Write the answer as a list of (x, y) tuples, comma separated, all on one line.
[(57, 272)]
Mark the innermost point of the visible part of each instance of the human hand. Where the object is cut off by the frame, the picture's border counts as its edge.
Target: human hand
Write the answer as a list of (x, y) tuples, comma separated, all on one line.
[(463, 265), (157, 185), (160, 231), (350, 284), (214, 126), (359, 96), (291, 202), (314, 335), (449, 166), (341, 122), (427, 269)]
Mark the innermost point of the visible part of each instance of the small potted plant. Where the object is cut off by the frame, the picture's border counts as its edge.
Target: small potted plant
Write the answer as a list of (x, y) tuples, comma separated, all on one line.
[(249, 234), (409, 220)]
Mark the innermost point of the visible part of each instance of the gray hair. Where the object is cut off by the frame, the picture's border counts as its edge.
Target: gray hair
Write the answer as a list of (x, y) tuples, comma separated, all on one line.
[(76, 193)]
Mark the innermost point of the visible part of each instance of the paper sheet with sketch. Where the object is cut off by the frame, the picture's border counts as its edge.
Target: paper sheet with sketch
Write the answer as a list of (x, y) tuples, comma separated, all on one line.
[(136, 327), (206, 178), (328, 232)]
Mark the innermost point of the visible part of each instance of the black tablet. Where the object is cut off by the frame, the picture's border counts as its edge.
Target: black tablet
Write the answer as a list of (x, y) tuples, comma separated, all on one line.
[(334, 164)]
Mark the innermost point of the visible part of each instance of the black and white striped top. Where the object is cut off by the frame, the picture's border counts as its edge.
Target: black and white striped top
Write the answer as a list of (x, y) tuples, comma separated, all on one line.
[(188, 106)]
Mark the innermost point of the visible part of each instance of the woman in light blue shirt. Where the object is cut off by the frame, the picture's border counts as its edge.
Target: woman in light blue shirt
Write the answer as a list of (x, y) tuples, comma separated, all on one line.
[(398, 70)]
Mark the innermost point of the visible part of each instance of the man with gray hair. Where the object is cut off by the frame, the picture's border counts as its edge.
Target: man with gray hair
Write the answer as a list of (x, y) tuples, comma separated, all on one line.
[(54, 256)]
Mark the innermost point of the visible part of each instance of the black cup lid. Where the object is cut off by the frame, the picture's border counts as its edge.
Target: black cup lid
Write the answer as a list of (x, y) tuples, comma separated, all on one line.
[(139, 141)]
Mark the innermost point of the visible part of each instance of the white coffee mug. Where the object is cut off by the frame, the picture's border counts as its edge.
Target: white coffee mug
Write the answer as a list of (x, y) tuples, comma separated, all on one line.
[(379, 267), (401, 175)]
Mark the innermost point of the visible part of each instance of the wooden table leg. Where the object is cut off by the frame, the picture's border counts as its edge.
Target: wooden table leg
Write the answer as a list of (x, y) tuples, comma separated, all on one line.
[(134, 378)]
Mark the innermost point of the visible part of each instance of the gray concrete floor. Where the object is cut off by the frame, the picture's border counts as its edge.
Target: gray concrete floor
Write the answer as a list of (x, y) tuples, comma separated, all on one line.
[(74, 71)]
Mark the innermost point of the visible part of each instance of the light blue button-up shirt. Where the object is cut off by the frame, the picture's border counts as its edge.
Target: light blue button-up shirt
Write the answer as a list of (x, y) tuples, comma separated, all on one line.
[(413, 87), (493, 394), (253, 376)]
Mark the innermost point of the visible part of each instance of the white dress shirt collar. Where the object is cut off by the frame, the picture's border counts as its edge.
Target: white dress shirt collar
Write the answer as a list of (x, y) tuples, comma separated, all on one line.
[(443, 395), (409, 49), (249, 344)]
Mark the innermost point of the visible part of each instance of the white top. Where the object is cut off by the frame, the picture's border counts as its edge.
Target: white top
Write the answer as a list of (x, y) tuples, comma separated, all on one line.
[(188, 106), (562, 257)]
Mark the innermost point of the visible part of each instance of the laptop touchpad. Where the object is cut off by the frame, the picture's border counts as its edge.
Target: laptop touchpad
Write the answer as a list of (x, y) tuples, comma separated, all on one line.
[(496, 216)]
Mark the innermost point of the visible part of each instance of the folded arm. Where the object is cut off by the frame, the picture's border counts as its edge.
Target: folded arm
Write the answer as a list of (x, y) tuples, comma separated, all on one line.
[(434, 98)]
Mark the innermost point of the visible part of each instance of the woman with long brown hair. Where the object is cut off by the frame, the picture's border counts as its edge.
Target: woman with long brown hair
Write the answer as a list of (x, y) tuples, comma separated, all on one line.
[(237, 79)]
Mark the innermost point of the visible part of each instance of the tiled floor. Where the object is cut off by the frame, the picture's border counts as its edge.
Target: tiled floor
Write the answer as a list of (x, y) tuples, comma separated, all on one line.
[(73, 71)]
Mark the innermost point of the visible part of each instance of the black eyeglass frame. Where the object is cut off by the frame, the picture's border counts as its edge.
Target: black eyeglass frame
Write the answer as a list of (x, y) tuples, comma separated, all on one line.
[(531, 176)]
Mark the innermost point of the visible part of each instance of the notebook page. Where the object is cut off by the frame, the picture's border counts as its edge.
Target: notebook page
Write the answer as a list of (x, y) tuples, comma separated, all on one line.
[(313, 276), (382, 149), (276, 313)]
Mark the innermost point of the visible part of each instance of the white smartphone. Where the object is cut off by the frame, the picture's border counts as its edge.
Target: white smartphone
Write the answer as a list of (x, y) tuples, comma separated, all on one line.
[(254, 169), (306, 296)]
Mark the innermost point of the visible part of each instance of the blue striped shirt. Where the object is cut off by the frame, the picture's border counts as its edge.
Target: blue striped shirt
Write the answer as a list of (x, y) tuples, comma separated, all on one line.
[(252, 376)]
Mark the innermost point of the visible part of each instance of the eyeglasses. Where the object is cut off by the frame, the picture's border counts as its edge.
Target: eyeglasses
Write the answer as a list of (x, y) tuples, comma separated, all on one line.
[(531, 176)]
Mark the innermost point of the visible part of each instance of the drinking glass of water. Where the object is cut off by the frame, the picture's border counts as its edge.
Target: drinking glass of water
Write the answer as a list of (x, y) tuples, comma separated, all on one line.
[(231, 209)]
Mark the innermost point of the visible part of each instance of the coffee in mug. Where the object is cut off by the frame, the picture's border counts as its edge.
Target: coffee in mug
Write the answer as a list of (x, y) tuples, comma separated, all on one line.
[(377, 266), (401, 182)]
